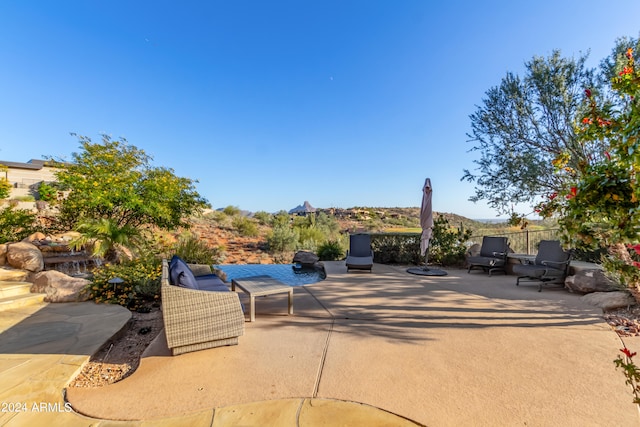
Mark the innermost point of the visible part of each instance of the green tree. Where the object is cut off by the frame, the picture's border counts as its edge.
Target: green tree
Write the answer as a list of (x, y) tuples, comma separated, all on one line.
[(599, 205), (115, 189), (5, 185), (524, 124)]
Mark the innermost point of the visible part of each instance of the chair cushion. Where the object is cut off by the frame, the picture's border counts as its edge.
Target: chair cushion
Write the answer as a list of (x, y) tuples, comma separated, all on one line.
[(211, 282), (181, 275), (173, 272)]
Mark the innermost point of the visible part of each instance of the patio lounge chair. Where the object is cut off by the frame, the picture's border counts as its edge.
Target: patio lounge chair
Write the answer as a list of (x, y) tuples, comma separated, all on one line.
[(550, 266), (360, 254), (201, 317), (493, 255)]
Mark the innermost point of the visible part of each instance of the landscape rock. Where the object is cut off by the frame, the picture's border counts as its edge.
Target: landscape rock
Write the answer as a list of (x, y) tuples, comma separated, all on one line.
[(25, 256), (37, 236), (3, 254), (610, 300), (474, 250), (588, 281), (59, 287), (13, 275), (305, 258)]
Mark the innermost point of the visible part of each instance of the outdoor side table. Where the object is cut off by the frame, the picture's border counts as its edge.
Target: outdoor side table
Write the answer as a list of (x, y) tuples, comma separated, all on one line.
[(257, 286)]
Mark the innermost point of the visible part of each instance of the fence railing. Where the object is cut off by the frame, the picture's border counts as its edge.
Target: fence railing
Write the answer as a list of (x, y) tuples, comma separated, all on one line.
[(523, 242)]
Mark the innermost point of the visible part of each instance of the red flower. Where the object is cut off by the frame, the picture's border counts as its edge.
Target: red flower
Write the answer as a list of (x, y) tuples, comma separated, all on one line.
[(626, 70), (636, 248), (553, 196), (606, 153), (588, 93), (572, 194), (627, 352), (630, 53)]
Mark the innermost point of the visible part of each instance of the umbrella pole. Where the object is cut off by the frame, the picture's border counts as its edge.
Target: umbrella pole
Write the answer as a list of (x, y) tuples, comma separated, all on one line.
[(426, 260)]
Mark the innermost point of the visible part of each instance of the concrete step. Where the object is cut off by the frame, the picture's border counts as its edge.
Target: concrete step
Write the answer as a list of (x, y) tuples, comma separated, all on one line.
[(10, 289), (14, 302)]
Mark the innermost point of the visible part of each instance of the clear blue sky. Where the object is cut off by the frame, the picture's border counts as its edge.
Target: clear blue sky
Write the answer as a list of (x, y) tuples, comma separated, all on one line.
[(270, 103)]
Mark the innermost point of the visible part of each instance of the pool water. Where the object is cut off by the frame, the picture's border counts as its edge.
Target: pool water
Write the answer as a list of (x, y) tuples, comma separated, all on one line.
[(291, 274)]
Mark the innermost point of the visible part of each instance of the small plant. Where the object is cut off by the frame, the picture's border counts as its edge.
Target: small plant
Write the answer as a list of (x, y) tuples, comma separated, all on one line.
[(193, 250), (331, 251), (630, 371), (140, 285), (48, 192)]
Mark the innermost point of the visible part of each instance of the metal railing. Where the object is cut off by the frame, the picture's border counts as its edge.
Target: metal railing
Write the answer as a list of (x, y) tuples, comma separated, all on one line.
[(523, 242)]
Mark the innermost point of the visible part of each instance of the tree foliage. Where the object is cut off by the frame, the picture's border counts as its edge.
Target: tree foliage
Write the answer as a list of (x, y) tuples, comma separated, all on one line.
[(114, 180), (525, 123), (5, 185), (599, 205)]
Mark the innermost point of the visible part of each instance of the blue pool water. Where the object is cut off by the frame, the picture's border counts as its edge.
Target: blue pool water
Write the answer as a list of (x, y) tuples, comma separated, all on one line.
[(290, 274)]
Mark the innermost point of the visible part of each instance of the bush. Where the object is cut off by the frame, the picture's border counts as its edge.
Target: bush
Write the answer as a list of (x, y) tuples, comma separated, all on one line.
[(16, 224), (245, 226), (447, 245), (282, 239), (193, 250), (47, 192), (331, 250), (141, 283)]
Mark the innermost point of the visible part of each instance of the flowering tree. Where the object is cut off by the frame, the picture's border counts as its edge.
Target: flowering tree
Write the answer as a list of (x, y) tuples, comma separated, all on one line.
[(598, 203)]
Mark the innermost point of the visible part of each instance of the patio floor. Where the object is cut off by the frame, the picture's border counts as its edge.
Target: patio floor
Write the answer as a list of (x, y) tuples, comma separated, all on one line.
[(381, 348)]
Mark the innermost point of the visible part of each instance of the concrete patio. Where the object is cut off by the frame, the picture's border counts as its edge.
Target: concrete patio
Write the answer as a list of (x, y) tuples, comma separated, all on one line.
[(386, 348)]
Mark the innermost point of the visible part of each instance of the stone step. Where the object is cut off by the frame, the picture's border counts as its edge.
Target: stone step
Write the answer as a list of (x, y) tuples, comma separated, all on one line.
[(12, 303), (10, 289)]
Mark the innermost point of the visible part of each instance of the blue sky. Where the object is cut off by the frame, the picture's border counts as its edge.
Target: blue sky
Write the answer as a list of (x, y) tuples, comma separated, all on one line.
[(268, 104)]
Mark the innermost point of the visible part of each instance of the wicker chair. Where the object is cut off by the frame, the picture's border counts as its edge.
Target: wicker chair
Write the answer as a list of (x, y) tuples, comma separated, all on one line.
[(197, 320)]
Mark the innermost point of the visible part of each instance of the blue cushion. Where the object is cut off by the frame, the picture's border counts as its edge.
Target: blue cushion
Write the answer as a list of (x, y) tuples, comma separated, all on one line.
[(211, 282), (173, 272), (181, 274)]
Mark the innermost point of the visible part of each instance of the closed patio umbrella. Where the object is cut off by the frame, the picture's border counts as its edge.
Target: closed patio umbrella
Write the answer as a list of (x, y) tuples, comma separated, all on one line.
[(426, 217), (426, 223)]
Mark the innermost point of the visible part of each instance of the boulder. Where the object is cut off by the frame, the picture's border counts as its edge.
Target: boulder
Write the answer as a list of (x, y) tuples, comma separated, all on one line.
[(37, 236), (3, 254), (474, 250), (587, 281), (610, 300), (305, 258), (13, 275), (25, 256), (59, 287)]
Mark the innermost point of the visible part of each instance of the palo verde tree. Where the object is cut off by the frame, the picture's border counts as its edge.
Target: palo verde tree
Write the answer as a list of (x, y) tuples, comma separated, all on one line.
[(522, 125), (115, 194)]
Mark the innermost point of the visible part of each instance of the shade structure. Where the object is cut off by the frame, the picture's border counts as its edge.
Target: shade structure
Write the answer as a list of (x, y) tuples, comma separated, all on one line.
[(426, 223)]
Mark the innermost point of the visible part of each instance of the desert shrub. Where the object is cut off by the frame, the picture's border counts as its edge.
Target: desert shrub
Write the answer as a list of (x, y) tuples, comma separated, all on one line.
[(331, 250), (231, 211), (195, 251), (16, 224), (282, 239), (245, 226), (263, 218), (141, 283)]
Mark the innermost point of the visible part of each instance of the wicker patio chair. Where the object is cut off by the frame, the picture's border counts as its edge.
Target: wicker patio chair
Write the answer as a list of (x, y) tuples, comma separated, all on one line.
[(197, 320)]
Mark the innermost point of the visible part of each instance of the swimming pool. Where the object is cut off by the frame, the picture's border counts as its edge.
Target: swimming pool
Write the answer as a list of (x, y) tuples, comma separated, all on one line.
[(291, 274)]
